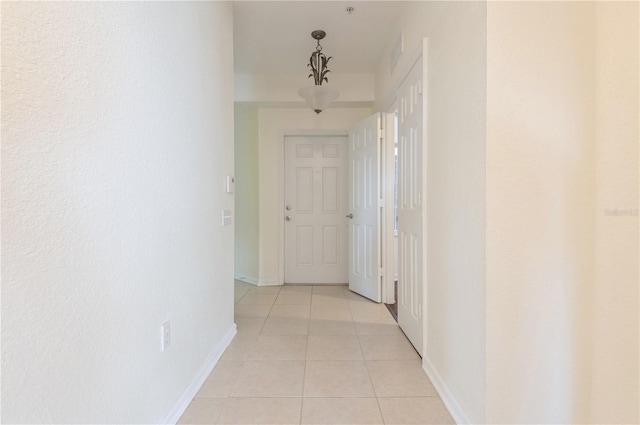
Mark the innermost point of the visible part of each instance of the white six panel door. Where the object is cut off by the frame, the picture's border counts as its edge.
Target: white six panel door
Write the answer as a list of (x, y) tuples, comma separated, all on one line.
[(315, 226), (411, 279), (364, 196)]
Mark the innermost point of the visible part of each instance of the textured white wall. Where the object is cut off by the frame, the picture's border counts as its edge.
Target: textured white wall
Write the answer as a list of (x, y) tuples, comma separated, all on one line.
[(273, 122), (246, 198), (539, 209), (117, 127), (456, 112), (562, 278), (615, 394)]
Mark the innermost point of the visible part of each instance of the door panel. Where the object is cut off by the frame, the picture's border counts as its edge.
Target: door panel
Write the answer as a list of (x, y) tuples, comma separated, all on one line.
[(411, 279), (364, 187), (315, 234)]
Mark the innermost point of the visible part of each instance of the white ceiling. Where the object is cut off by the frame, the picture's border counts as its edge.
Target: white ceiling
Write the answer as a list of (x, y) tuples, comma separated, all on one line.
[(274, 37)]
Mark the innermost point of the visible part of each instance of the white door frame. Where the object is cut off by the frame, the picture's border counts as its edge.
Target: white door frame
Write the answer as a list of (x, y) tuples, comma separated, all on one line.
[(281, 204), (387, 169)]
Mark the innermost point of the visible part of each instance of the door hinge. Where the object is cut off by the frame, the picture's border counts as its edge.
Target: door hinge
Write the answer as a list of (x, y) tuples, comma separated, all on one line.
[(419, 311), (381, 271), (380, 203), (419, 86)]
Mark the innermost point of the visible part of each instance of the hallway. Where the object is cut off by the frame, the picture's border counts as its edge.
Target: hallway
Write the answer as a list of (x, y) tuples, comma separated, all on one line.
[(315, 355)]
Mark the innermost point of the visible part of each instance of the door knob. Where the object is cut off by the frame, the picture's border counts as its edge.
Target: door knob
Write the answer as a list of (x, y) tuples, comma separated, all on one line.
[(288, 218), (288, 208), (349, 216)]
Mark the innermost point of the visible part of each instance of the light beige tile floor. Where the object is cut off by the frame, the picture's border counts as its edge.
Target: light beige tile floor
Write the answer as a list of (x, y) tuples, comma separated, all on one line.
[(315, 355)]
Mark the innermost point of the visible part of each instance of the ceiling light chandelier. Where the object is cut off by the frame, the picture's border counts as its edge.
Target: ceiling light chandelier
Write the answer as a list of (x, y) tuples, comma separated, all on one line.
[(318, 96)]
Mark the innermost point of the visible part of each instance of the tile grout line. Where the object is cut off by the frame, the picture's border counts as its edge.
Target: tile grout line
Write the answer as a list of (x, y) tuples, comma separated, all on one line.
[(351, 305), (244, 362), (269, 313), (243, 295), (366, 362), (232, 387), (306, 355), (304, 372)]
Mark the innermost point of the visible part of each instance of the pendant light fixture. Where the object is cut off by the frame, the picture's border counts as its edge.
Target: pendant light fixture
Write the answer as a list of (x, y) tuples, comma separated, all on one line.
[(318, 96)]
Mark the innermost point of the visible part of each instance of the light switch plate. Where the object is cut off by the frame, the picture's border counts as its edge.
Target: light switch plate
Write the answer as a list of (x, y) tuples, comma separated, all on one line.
[(165, 336), (230, 184), (227, 217)]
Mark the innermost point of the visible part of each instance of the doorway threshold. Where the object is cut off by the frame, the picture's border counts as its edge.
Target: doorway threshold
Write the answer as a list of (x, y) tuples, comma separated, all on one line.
[(393, 308)]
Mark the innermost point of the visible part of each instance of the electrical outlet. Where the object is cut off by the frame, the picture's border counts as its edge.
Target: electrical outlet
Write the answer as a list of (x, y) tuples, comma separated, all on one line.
[(165, 336)]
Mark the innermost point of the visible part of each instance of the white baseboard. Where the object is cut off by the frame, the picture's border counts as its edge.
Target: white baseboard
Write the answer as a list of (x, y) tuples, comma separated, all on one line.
[(447, 398), (269, 282), (248, 279), (187, 396), (258, 282)]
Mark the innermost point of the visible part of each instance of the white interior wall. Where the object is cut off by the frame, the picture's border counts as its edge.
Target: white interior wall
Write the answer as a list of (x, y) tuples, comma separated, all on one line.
[(116, 134), (455, 322), (562, 277), (539, 209), (273, 123), (615, 360), (246, 187), (355, 89)]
